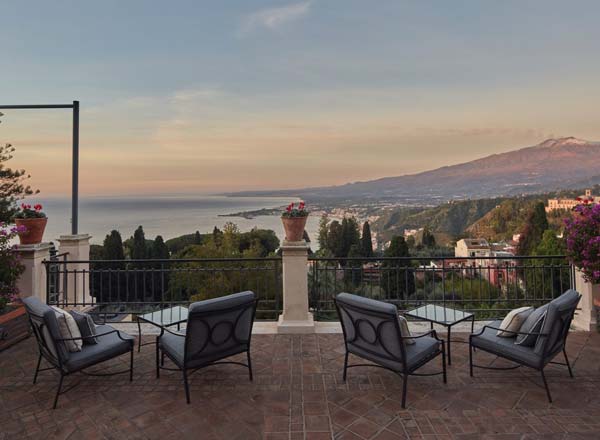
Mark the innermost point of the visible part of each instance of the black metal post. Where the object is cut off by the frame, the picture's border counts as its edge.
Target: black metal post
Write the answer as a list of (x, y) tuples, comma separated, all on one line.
[(75, 173), (75, 177)]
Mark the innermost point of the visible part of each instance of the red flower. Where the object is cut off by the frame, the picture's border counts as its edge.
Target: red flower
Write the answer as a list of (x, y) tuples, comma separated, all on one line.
[(23, 206), (38, 207), (301, 205), (289, 208)]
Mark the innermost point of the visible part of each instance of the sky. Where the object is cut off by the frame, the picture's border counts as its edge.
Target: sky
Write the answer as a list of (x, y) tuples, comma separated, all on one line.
[(210, 96)]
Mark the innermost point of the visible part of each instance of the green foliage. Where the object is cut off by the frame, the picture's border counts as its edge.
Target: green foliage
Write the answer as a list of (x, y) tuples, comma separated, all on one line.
[(10, 267), (534, 228), (139, 250), (323, 233), (427, 240), (177, 244), (13, 185), (397, 278), (366, 241), (159, 250)]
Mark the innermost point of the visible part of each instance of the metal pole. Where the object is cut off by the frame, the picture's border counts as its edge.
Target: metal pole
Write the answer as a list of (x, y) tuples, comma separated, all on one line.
[(75, 177)]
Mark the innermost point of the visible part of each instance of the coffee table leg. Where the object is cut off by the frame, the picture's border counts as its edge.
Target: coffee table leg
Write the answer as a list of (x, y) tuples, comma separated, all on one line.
[(449, 349)]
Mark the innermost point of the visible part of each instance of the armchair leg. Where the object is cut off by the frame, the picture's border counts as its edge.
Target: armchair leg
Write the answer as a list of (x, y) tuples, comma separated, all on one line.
[(162, 359), (157, 356), (444, 363), (470, 359), (131, 366), (404, 386), (345, 365), (185, 384), (37, 369), (546, 386), (249, 366), (58, 390), (566, 359)]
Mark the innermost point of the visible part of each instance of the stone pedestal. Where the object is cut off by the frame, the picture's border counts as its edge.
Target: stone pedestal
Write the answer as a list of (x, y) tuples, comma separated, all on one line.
[(295, 317), (586, 317), (33, 281), (77, 273)]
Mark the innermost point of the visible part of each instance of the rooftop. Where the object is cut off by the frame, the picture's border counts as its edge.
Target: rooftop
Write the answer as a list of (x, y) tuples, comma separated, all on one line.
[(298, 393)]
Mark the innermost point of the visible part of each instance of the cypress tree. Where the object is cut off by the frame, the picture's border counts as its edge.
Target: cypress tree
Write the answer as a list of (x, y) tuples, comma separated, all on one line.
[(197, 238), (533, 231), (159, 249), (113, 246), (366, 241), (139, 251), (428, 239), (323, 231), (398, 278)]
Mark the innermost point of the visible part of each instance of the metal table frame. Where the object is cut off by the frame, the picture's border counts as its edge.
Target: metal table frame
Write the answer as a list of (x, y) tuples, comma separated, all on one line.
[(470, 316)]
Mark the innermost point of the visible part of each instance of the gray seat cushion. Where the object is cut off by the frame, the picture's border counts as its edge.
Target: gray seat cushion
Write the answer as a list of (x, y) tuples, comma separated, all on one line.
[(423, 349), (107, 347), (506, 347), (533, 324), (174, 345)]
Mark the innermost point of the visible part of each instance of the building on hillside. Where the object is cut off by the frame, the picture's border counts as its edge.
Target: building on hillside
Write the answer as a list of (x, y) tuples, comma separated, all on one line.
[(472, 247), (556, 204), (412, 232)]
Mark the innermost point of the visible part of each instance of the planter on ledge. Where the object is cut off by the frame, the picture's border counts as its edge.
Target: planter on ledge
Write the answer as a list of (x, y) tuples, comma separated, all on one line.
[(14, 325), (34, 229), (294, 227)]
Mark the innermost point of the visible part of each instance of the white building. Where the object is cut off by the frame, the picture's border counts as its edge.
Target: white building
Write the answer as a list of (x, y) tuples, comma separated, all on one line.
[(472, 247)]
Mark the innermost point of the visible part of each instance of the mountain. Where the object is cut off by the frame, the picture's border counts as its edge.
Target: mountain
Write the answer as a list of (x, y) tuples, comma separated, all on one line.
[(553, 164)]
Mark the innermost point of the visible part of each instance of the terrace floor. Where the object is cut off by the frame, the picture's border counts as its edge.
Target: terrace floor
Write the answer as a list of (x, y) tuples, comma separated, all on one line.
[(298, 393)]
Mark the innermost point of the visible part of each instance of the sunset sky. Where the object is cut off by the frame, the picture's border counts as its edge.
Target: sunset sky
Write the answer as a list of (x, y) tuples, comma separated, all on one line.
[(189, 96)]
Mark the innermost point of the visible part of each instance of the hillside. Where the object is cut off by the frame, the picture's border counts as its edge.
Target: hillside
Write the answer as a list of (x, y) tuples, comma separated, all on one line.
[(551, 165)]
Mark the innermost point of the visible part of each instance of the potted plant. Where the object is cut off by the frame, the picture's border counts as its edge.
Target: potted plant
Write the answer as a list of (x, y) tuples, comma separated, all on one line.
[(582, 238), (13, 319), (33, 223), (294, 221)]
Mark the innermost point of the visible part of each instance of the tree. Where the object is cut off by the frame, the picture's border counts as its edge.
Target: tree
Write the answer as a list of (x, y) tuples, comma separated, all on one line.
[(139, 250), (323, 232), (334, 238), (397, 275), (366, 241), (548, 277), (428, 239), (113, 246), (159, 250), (534, 228), (108, 282), (197, 238), (12, 184), (217, 236)]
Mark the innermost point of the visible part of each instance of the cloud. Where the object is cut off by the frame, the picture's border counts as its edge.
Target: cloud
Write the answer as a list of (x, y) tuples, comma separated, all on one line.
[(275, 18), (195, 94)]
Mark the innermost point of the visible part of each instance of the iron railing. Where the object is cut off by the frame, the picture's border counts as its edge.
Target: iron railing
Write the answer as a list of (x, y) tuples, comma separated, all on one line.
[(487, 286), (118, 290)]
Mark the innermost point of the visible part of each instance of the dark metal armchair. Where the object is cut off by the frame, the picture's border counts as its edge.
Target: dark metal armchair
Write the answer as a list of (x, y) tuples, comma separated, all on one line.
[(550, 340), (216, 329), (110, 344), (372, 332)]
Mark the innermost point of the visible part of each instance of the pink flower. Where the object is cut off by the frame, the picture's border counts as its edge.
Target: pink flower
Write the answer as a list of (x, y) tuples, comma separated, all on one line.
[(38, 207)]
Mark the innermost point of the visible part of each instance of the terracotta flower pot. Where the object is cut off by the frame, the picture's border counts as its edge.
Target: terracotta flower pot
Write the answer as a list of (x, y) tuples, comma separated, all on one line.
[(35, 229), (294, 227)]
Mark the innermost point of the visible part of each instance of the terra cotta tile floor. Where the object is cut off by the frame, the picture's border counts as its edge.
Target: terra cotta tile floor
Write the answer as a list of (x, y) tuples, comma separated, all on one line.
[(298, 393)]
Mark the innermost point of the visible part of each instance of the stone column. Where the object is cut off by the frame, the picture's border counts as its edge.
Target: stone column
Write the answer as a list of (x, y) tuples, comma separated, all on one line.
[(78, 277), (586, 318), (33, 281), (295, 317)]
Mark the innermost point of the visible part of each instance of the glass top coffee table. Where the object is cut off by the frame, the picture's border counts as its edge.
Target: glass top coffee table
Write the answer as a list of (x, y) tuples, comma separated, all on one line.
[(443, 316), (162, 318)]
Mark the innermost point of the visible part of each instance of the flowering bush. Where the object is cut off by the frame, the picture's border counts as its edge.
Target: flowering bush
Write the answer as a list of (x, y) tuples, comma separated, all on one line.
[(27, 212), (10, 265), (582, 236), (295, 211)]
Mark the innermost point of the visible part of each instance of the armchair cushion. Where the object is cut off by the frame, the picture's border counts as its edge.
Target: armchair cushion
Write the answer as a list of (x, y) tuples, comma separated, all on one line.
[(44, 318), (489, 341), (68, 329), (107, 347), (405, 331), (86, 325), (513, 321), (533, 324), (559, 309), (418, 352)]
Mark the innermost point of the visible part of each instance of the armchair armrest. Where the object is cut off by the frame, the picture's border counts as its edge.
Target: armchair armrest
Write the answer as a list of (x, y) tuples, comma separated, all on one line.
[(431, 332), (165, 329), (83, 338), (507, 331)]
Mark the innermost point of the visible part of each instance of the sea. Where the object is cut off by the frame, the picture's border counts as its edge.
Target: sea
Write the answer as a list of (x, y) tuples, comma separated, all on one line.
[(170, 216)]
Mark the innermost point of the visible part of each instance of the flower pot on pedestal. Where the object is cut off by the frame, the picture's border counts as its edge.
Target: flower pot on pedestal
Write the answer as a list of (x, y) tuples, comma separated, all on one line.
[(33, 229), (294, 227)]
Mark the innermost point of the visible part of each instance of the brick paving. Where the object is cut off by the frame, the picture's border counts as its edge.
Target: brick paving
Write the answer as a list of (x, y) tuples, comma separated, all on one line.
[(298, 393)]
